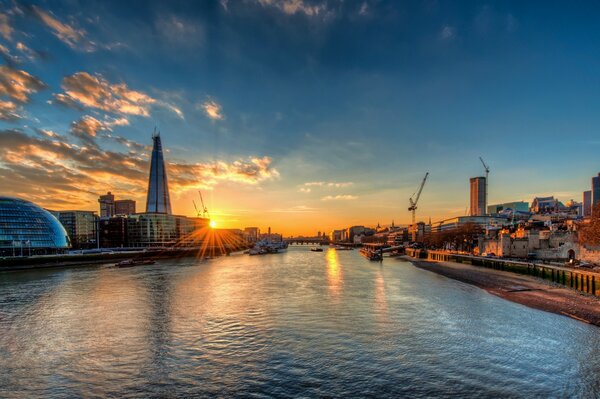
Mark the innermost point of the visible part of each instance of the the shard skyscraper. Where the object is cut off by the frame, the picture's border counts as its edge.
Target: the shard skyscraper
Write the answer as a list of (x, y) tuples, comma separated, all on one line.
[(158, 190)]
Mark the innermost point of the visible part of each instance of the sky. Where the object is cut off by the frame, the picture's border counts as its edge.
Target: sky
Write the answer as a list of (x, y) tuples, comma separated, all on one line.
[(301, 115)]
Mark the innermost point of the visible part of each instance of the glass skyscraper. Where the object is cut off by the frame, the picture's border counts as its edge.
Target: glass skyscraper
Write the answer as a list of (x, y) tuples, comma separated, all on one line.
[(158, 189)]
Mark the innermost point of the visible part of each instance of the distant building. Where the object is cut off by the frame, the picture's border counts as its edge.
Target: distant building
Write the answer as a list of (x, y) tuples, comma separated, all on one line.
[(107, 205), (587, 203), (81, 226), (595, 191), (478, 196), (336, 235), (519, 206), (545, 205), (251, 234), (453, 223), (419, 231), (124, 207)]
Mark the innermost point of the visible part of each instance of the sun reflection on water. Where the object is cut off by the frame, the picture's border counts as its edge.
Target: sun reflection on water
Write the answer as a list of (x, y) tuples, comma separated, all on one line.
[(334, 273)]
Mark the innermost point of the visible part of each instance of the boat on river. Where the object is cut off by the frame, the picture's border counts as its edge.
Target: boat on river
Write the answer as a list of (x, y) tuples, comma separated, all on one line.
[(134, 262), (264, 247), (371, 255), (316, 249)]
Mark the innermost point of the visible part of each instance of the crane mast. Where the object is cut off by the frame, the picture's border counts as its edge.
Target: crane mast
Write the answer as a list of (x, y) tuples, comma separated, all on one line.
[(416, 195), (487, 172), (205, 213)]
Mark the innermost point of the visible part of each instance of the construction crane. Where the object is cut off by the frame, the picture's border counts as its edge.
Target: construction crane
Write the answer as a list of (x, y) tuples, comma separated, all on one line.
[(416, 196), (205, 213), (487, 172)]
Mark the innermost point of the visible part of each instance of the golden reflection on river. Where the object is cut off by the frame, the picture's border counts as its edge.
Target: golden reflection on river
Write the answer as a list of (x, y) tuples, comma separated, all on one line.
[(380, 303), (334, 273)]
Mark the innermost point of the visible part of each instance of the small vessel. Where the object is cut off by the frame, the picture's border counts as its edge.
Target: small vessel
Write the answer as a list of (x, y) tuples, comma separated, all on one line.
[(264, 247), (371, 255), (134, 262), (316, 249)]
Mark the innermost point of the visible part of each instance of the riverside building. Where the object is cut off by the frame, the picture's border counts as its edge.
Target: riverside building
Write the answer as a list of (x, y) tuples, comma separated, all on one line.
[(27, 229)]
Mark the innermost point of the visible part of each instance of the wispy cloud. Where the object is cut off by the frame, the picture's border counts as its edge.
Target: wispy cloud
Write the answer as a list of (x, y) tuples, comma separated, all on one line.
[(70, 35), (87, 128), (448, 33), (345, 197), (251, 171), (17, 87), (6, 29), (213, 110), (295, 209), (330, 184), (93, 91), (291, 7)]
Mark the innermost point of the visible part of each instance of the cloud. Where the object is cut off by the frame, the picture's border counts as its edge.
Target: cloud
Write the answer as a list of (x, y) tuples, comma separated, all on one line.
[(29, 53), (53, 173), (305, 190), (6, 29), (88, 128), (16, 88), (18, 84), (8, 57), (212, 110), (330, 184), (294, 209), (345, 197), (9, 111), (448, 33), (291, 7), (251, 171), (180, 31), (93, 91), (364, 8), (83, 90), (73, 37)]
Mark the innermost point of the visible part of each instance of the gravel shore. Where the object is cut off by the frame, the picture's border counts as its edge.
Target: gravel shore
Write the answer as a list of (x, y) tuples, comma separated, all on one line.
[(526, 290)]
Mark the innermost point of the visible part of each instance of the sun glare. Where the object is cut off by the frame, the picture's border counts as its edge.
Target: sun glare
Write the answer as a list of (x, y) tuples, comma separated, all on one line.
[(212, 224)]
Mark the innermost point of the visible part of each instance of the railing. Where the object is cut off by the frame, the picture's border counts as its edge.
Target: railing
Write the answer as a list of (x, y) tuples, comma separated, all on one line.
[(580, 280)]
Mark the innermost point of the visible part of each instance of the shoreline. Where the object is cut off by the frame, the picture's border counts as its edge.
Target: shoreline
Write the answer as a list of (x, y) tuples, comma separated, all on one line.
[(525, 290)]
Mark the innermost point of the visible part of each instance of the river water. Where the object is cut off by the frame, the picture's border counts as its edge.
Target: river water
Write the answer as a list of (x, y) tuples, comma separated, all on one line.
[(295, 324)]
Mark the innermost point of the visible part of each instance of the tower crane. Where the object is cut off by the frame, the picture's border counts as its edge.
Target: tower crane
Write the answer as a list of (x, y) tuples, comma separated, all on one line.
[(416, 196), (205, 213), (487, 172)]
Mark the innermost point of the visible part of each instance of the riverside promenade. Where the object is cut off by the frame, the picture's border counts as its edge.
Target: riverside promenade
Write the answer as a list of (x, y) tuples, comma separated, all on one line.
[(555, 289)]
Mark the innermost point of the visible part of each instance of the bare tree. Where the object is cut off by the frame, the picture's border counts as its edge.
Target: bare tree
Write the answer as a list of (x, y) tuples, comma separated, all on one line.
[(589, 233)]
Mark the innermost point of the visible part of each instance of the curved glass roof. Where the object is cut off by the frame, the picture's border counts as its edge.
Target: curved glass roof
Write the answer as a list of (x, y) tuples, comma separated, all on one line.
[(22, 223)]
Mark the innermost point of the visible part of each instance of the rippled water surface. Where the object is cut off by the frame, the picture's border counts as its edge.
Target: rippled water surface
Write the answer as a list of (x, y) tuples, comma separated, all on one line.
[(295, 324)]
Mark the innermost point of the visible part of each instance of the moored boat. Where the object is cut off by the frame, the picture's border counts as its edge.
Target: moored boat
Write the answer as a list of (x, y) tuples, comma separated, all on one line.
[(134, 262)]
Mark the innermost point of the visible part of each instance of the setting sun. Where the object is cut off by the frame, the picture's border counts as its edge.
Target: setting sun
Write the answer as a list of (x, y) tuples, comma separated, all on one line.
[(212, 224)]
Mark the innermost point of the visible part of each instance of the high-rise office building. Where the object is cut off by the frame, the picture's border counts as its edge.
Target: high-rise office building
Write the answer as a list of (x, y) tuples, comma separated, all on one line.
[(587, 203), (107, 205), (124, 207), (81, 226), (158, 190), (478, 196)]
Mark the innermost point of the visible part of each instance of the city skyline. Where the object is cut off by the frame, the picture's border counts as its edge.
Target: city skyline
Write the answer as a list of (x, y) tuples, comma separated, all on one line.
[(298, 141)]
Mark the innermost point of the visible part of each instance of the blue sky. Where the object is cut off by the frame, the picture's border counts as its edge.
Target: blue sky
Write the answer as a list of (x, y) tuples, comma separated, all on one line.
[(257, 98)]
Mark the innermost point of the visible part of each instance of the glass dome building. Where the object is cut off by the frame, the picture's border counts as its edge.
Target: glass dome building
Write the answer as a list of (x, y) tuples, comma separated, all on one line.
[(26, 229)]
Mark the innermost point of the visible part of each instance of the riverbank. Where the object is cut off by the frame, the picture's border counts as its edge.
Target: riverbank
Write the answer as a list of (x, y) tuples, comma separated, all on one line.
[(526, 290), (93, 259)]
